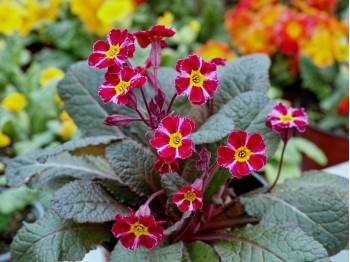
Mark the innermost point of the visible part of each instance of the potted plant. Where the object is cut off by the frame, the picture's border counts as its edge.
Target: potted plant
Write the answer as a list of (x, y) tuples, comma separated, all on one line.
[(153, 182)]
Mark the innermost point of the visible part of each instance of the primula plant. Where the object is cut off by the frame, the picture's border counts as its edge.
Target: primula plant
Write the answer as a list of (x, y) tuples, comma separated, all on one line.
[(154, 177)]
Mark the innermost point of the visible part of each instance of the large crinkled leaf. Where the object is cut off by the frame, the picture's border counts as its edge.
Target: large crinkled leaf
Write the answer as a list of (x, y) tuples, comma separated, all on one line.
[(172, 253), (247, 73), (27, 169), (216, 128), (200, 252), (53, 239), (79, 90), (22, 168), (277, 243), (249, 112), (86, 201), (314, 202), (134, 166), (90, 145)]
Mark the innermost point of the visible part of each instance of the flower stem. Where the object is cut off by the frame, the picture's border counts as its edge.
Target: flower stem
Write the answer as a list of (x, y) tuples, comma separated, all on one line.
[(145, 101), (143, 119), (213, 225), (171, 103), (279, 168), (154, 195)]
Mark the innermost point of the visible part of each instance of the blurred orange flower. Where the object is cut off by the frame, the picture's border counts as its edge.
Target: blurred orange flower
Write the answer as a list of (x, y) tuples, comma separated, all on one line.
[(213, 49)]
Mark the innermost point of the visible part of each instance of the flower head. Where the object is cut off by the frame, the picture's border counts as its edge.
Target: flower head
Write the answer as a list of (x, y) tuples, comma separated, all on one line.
[(214, 49), (281, 118), (188, 199), (115, 51), (50, 74), (138, 230), (242, 154), (289, 32), (5, 140), (164, 167), (119, 84), (14, 102), (197, 79), (172, 138), (157, 32)]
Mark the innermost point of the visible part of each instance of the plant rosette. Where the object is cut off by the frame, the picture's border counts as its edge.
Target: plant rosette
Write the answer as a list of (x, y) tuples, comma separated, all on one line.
[(162, 148)]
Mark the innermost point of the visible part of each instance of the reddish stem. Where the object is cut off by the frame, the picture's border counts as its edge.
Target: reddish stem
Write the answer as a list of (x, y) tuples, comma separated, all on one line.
[(213, 225), (171, 103), (145, 101)]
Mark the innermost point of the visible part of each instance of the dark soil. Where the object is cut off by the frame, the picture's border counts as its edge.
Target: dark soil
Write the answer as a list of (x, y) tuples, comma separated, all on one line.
[(17, 219)]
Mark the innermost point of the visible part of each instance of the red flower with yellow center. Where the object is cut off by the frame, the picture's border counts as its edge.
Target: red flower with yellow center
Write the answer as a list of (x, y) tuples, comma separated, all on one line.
[(118, 84), (197, 79), (157, 32), (242, 154), (135, 231), (188, 199), (289, 32), (164, 167), (115, 51), (281, 118), (172, 138)]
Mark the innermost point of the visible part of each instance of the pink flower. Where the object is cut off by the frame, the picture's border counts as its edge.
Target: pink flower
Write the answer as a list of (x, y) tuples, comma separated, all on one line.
[(242, 154), (172, 138), (166, 168), (281, 118), (117, 85), (137, 230), (188, 199), (115, 51), (197, 79), (157, 32)]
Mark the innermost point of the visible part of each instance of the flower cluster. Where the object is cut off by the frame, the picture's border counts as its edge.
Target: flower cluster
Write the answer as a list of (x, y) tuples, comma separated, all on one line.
[(23, 16), (304, 27), (171, 139)]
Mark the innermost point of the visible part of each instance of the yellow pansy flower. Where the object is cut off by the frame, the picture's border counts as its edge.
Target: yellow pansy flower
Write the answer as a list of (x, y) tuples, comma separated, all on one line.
[(49, 74), (5, 140), (14, 102)]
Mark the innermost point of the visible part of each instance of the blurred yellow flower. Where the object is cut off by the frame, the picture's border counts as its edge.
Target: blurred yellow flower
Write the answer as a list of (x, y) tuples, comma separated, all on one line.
[(38, 11), (195, 26), (166, 20), (68, 126), (341, 47), (14, 102), (10, 17), (213, 49), (49, 74), (58, 100), (5, 140), (319, 48), (115, 11)]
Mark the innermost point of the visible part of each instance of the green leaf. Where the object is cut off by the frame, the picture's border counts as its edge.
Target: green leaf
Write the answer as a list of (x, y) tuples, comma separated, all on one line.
[(78, 90), (277, 243), (53, 239), (172, 253), (216, 182), (172, 183), (41, 174), (315, 202), (247, 73), (317, 80), (216, 128), (311, 150), (249, 112), (14, 199), (200, 252), (134, 165), (86, 201)]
